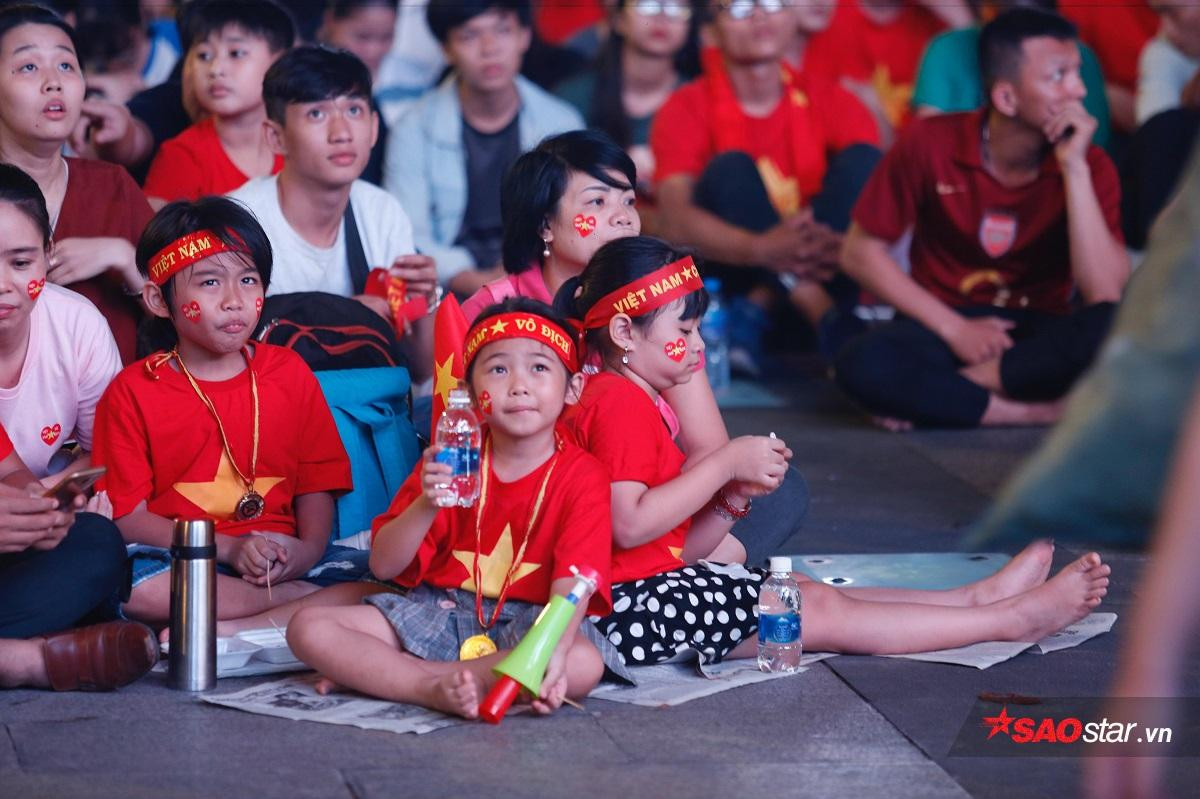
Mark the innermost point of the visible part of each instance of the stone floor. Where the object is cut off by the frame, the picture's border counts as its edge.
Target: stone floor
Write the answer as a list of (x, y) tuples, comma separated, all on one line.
[(851, 726)]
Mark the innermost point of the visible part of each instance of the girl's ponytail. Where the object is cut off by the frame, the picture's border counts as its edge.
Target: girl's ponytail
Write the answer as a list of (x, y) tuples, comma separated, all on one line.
[(565, 302)]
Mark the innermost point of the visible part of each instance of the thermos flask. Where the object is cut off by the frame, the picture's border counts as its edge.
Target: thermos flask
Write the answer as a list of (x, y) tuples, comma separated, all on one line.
[(192, 661)]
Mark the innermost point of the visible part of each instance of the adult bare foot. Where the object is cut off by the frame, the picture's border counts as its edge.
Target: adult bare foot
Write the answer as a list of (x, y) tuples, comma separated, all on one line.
[(1062, 600), (457, 693), (1028, 569), (892, 425)]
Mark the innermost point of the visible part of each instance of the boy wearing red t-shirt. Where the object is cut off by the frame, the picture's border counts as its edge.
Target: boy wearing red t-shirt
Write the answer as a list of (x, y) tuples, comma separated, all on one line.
[(757, 166), (480, 574), (230, 45), (1014, 213), (211, 427)]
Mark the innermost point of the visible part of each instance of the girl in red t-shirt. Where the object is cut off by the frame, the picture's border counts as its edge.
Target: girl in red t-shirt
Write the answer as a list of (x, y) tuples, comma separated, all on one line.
[(640, 303), (479, 575)]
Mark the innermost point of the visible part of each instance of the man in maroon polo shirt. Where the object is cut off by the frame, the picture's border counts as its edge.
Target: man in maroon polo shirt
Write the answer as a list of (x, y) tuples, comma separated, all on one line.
[(1017, 256)]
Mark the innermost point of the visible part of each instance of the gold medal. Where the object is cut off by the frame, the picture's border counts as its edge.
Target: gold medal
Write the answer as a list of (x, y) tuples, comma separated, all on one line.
[(476, 646), (250, 506)]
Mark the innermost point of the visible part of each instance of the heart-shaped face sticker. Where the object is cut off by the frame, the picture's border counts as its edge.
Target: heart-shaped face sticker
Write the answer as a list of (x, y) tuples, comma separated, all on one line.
[(676, 350), (191, 311), (586, 225), (34, 287), (258, 304), (50, 434), (485, 403)]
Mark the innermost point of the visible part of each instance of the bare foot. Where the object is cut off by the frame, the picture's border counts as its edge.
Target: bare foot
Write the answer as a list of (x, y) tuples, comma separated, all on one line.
[(326, 686), (457, 693), (1062, 600), (892, 425), (1028, 569)]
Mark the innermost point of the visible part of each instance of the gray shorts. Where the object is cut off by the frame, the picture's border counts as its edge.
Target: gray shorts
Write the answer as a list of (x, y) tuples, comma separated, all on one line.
[(432, 624)]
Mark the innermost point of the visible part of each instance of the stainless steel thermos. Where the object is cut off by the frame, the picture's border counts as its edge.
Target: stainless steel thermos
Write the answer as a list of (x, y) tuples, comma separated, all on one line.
[(192, 661)]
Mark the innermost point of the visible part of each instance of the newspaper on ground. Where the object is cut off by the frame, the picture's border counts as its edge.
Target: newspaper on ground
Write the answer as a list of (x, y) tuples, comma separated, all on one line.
[(670, 684), (296, 698), (989, 653)]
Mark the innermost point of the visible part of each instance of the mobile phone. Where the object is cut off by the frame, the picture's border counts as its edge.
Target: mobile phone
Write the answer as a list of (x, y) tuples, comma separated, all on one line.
[(73, 485)]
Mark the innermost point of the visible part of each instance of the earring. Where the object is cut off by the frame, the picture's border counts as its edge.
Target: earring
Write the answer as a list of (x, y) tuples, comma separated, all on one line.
[(625, 357), (545, 248)]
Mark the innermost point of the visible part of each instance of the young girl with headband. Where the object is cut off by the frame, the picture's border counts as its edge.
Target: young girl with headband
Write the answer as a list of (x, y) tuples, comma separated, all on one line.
[(480, 575), (640, 302), (560, 203), (214, 425)]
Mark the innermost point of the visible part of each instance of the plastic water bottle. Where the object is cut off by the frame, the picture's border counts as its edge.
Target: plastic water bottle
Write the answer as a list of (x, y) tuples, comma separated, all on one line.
[(459, 437), (714, 329), (779, 646)]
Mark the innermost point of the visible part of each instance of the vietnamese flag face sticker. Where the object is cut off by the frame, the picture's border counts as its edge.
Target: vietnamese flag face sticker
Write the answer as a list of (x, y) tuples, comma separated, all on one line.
[(34, 288), (191, 311), (585, 225), (485, 403)]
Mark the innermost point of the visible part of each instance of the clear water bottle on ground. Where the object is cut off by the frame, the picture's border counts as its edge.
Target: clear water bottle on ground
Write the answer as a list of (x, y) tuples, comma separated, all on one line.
[(714, 329), (779, 646), (459, 437)]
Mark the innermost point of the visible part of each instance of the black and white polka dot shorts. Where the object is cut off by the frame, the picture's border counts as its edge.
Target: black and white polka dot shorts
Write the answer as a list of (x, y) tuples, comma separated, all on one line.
[(709, 609)]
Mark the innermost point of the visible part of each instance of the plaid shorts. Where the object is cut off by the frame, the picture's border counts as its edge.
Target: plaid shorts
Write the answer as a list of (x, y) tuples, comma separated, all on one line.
[(432, 623), (339, 564)]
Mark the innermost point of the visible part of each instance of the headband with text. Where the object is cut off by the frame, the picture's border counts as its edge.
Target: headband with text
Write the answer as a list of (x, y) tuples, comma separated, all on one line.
[(521, 325), (660, 287), (186, 251)]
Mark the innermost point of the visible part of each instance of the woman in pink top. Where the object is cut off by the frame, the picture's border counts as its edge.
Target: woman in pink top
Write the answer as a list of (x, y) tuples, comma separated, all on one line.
[(561, 202)]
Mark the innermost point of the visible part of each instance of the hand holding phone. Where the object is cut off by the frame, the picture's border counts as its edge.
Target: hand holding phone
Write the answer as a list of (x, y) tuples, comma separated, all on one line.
[(74, 485)]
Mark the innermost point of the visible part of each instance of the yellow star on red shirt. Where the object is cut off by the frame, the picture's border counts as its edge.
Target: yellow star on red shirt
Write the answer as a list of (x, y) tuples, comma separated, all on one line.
[(219, 497), (494, 566), (444, 380)]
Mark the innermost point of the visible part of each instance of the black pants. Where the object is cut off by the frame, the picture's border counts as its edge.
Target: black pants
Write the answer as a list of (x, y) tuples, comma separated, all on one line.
[(904, 370), (46, 591), (731, 187), (773, 519), (1153, 165)]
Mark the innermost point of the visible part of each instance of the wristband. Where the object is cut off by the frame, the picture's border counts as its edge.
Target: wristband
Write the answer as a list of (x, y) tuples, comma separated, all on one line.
[(725, 509)]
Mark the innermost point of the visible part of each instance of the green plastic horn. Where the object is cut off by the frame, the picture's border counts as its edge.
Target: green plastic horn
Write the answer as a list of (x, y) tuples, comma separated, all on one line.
[(525, 666)]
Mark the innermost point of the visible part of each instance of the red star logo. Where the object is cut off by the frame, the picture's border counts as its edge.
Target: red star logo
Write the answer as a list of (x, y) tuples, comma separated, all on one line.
[(999, 723)]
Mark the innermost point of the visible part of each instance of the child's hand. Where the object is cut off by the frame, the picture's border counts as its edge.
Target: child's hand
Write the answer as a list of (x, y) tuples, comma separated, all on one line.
[(289, 561), (554, 685), (253, 555), (100, 504), (758, 459), (435, 476)]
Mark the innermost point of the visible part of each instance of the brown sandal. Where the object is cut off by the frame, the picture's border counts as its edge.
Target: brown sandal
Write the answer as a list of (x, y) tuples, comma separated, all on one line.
[(100, 657)]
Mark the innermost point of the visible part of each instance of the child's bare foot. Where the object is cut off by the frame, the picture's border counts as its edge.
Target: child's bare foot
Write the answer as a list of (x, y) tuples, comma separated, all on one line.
[(891, 424), (1062, 600), (325, 686), (457, 693), (1028, 569)]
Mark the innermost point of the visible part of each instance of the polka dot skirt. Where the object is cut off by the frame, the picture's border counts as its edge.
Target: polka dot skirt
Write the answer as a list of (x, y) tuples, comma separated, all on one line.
[(692, 608)]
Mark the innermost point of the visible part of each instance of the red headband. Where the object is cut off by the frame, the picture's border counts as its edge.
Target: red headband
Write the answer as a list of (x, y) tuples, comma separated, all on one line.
[(186, 251), (659, 288), (521, 325)]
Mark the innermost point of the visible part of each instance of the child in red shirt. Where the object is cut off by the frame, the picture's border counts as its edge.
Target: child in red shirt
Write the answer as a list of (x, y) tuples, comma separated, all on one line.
[(230, 46), (209, 426), (486, 570), (640, 303)]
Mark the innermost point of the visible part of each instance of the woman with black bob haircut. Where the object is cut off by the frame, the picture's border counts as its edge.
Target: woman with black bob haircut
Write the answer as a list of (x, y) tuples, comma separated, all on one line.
[(233, 224), (689, 410), (559, 203)]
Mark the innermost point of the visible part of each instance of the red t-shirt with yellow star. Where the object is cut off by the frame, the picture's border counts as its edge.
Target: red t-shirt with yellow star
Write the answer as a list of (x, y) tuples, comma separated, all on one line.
[(161, 444), (791, 146), (883, 55), (618, 423), (573, 528)]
